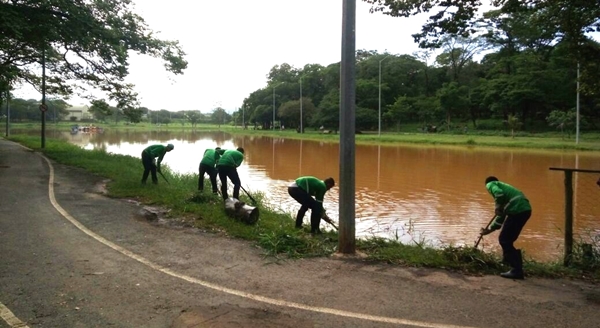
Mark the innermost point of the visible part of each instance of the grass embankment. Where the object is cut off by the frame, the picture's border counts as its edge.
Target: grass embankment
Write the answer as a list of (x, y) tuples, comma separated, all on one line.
[(589, 141), (275, 232)]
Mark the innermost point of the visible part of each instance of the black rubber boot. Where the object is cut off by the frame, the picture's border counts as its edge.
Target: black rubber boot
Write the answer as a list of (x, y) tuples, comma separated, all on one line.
[(506, 258), (299, 221), (300, 216), (315, 223), (516, 262)]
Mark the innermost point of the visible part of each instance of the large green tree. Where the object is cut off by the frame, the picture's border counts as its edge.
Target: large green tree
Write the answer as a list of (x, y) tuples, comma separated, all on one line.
[(85, 43), (328, 111), (133, 114), (100, 110), (458, 52), (57, 108), (219, 116), (24, 109), (563, 120), (454, 101), (262, 115), (194, 116), (569, 19), (289, 113)]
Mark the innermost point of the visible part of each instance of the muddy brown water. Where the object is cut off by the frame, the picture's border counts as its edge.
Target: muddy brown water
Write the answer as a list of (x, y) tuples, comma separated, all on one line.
[(416, 194)]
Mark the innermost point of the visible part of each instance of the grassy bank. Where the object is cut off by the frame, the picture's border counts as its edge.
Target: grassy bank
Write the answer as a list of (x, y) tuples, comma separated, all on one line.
[(275, 232), (553, 140)]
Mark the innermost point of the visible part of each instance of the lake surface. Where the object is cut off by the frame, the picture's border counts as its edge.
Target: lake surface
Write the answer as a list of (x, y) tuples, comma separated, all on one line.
[(431, 193)]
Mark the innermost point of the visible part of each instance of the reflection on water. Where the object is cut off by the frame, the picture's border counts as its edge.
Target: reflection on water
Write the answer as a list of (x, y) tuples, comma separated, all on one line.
[(426, 193)]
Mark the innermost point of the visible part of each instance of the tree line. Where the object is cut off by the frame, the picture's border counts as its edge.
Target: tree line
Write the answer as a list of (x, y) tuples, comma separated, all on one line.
[(519, 64), (27, 110)]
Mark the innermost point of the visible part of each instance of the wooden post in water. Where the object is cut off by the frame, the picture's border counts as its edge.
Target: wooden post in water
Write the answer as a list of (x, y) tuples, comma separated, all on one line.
[(568, 212), (568, 217)]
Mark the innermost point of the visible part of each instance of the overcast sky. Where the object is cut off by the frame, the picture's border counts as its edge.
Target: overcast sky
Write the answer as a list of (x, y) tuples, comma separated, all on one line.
[(231, 46)]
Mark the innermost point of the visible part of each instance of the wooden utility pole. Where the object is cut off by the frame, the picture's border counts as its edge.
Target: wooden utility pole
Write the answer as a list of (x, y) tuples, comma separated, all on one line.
[(347, 239)]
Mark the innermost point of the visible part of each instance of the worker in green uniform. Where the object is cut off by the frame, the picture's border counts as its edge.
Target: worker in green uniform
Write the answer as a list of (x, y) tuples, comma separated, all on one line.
[(208, 166), (148, 156), (227, 167), (303, 190), (512, 212)]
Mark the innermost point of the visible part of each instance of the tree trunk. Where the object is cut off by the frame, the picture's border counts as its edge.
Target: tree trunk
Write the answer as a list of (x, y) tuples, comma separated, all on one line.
[(240, 211)]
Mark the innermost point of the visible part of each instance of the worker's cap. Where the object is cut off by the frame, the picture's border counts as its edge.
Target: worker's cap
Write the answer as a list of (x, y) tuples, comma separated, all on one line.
[(170, 146)]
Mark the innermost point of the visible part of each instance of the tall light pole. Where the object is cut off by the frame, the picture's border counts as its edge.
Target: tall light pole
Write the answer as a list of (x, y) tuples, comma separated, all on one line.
[(275, 86), (577, 107), (380, 93), (7, 113), (43, 107), (301, 127)]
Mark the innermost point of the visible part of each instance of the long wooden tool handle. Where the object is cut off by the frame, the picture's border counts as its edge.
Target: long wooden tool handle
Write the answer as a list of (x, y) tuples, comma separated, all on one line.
[(481, 236)]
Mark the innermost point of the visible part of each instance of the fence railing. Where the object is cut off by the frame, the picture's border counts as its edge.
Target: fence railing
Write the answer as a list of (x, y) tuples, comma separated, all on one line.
[(569, 209)]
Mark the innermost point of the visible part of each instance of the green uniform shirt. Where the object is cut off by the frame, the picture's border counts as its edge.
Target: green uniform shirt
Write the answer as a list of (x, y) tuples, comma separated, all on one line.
[(314, 187), (211, 156), (156, 151), (231, 158), (508, 199)]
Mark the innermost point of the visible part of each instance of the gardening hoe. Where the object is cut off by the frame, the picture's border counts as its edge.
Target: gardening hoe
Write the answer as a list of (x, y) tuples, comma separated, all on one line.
[(481, 236), (163, 177), (252, 199), (219, 190), (328, 220)]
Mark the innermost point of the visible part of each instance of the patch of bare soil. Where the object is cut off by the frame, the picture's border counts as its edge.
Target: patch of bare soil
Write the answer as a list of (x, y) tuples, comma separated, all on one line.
[(228, 315)]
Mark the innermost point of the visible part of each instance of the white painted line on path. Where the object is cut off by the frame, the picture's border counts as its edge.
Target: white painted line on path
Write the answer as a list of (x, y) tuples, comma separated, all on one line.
[(10, 319)]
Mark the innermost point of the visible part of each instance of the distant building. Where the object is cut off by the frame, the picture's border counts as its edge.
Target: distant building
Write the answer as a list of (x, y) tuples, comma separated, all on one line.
[(80, 112)]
